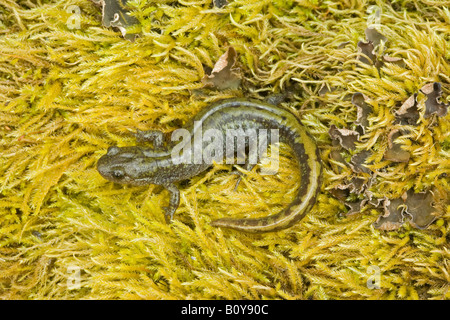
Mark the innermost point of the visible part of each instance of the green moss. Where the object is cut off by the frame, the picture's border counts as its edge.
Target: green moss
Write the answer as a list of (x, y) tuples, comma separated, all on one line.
[(67, 95)]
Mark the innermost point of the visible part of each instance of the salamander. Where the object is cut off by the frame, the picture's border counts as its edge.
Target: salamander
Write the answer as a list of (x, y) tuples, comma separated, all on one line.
[(161, 165)]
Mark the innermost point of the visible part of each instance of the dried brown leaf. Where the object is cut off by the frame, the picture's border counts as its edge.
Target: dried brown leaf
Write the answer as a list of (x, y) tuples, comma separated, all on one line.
[(354, 207), (420, 207), (358, 160), (395, 152), (115, 14), (394, 60), (346, 138), (224, 75), (433, 91), (363, 110), (408, 113), (339, 193), (393, 218), (368, 55)]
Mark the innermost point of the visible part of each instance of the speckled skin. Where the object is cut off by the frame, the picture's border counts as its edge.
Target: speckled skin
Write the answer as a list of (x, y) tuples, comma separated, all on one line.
[(141, 165)]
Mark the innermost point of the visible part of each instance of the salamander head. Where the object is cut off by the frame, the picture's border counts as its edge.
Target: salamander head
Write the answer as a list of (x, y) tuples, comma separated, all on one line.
[(125, 166)]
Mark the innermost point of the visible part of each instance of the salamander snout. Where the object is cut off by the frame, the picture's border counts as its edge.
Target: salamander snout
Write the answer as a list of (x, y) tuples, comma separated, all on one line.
[(121, 165), (108, 165), (110, 171)]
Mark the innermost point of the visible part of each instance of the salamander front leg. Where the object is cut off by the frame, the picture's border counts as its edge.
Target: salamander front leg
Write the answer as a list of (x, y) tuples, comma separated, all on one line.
[(174, 201), (155, 136)]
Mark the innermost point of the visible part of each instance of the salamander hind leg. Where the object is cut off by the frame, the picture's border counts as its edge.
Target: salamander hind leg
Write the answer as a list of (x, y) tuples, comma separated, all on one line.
[(174, 202), (248, 167), (155, 136)]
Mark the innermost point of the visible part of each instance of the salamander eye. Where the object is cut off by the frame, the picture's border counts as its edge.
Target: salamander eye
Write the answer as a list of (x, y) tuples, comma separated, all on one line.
[(118, 174)]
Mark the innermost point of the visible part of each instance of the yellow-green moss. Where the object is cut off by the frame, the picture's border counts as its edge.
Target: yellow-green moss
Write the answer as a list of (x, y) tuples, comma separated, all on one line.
[(66, 95)]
